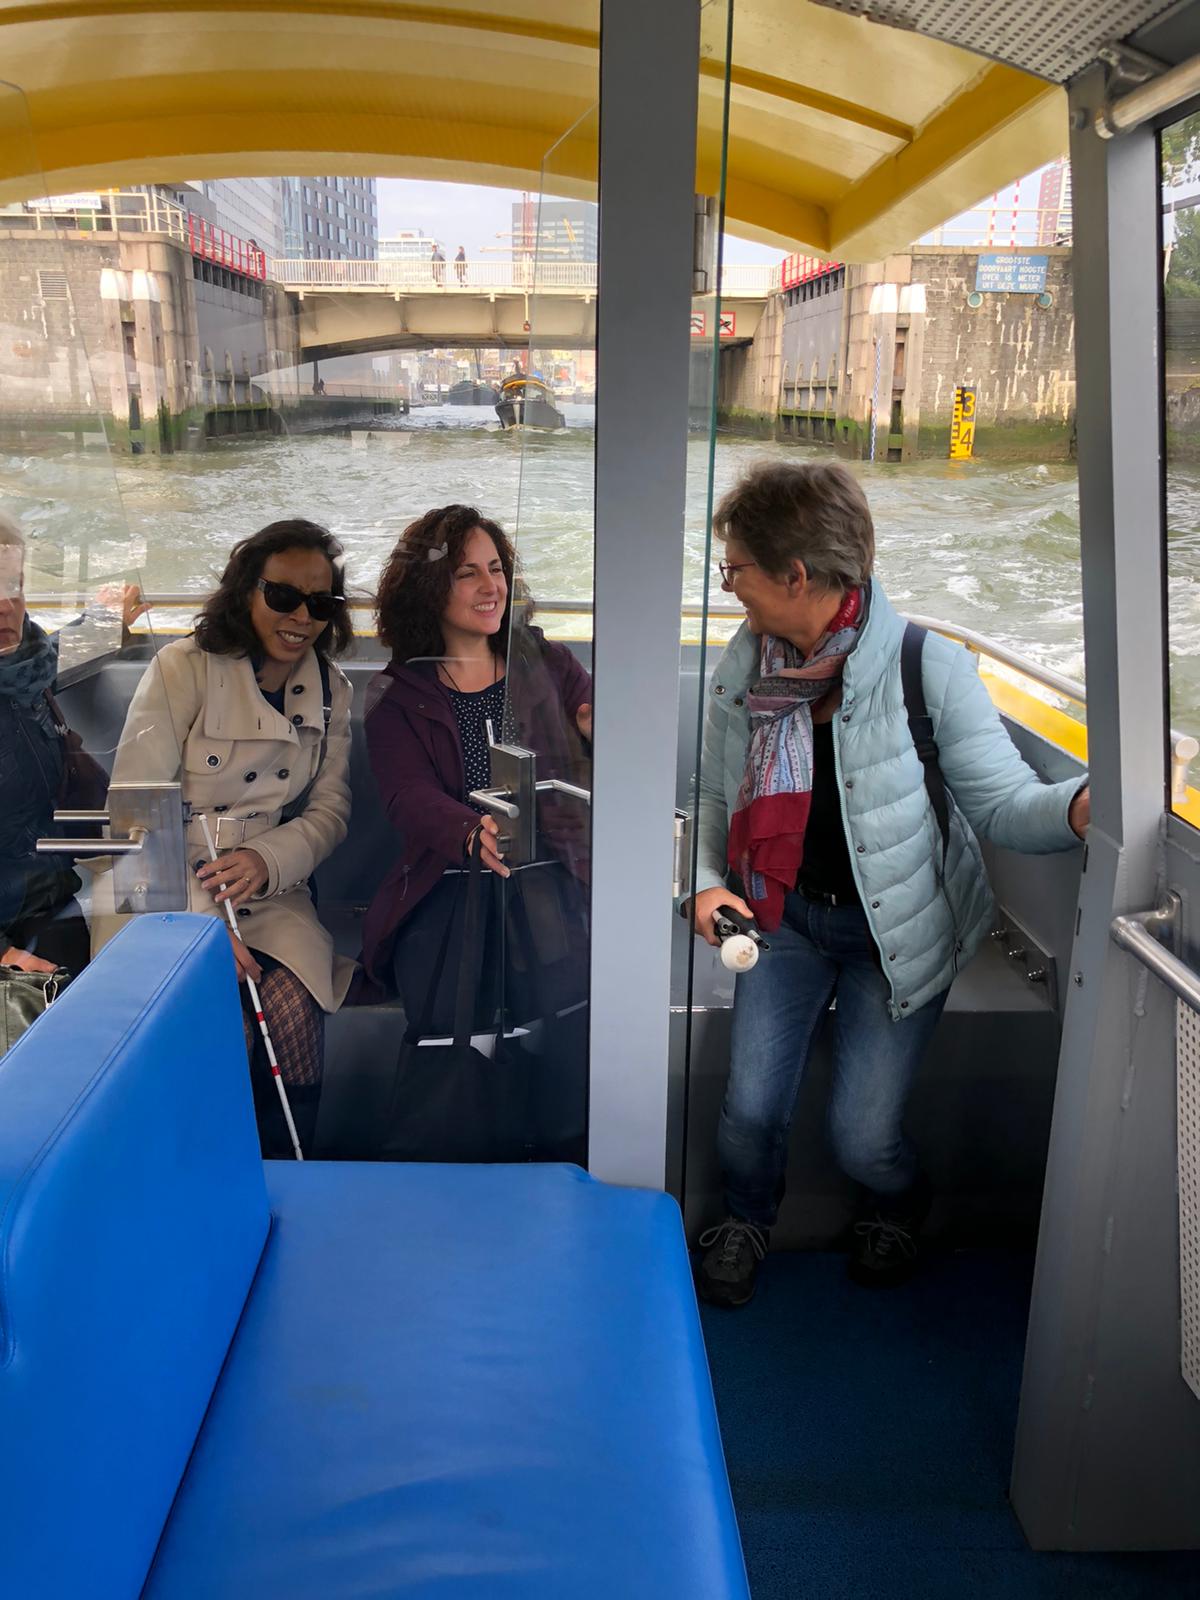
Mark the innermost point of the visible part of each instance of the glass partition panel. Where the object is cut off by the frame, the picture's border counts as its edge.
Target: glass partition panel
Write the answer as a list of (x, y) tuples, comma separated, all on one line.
[(1180, 148), (546, 408), (701, 988), (74, 639)]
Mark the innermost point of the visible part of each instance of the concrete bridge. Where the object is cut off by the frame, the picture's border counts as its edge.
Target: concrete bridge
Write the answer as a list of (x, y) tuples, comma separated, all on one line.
[(354, 307)]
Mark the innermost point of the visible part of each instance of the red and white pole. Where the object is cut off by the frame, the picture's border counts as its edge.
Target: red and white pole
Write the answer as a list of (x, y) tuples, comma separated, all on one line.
[(256, 1002)]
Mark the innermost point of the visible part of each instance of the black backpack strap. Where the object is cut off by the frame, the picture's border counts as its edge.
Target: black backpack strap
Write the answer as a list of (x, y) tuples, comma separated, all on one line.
[(920, 726)]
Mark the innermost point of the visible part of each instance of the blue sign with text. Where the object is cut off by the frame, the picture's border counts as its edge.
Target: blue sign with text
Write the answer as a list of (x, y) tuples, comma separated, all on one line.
[(1011, 274)]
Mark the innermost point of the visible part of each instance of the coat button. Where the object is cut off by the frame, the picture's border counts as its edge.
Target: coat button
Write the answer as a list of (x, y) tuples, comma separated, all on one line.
[(719, 689), (282, 773), (250, 816), (845, 719), (297, 720), (297, 688), (220, 808), (892, 957), (199, 864), (250, 776), (739, 701), (904, 1005), (874, 905), (244, 911), (861, 848), (849, 783), (214, 761)]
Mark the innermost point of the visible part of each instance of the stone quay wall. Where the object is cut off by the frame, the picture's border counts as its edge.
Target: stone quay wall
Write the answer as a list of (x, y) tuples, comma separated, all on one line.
[(869, 356)]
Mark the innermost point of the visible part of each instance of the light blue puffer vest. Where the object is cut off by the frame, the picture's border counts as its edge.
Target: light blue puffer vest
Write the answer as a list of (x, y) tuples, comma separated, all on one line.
[(927, 924)]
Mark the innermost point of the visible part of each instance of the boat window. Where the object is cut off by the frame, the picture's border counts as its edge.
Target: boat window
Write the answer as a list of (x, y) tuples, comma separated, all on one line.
[(1179, 146)]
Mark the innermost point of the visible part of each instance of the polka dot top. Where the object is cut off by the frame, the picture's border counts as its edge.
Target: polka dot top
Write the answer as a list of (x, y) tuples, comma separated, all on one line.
[(472, 712)]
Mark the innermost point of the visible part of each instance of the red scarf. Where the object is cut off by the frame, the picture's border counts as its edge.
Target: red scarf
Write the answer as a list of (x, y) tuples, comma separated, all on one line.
[(766, 831)]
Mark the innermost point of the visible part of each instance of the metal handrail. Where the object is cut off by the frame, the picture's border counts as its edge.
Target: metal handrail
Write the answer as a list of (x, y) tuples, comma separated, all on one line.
[(526, 275), (1134, 932), (1184, 747)]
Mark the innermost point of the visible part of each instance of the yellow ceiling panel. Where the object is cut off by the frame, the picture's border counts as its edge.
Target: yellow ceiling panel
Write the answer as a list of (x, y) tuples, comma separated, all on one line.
[(846, 136)]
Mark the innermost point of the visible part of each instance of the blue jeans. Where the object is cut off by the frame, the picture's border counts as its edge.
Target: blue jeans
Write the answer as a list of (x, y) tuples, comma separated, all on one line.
[(818, 951)]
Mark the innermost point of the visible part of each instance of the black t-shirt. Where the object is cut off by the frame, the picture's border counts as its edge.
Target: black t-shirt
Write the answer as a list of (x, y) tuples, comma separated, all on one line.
[(472, 711), (826, 863)]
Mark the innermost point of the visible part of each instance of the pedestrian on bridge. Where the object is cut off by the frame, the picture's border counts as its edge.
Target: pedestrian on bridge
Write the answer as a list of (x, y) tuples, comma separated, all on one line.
[(439, 266), (460, 265)]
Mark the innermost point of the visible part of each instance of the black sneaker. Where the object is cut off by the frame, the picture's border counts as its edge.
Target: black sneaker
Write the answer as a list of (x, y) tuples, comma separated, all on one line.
[(885, 1252), (733, 1250)]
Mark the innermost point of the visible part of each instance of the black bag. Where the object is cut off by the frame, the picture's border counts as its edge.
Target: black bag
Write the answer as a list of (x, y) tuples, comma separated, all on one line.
[(452, 1102), (84, 785), (23, 998)]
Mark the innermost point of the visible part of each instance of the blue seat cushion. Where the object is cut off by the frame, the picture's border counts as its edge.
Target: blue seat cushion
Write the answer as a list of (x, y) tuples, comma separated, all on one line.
[(459, 1381), (133, 1212)]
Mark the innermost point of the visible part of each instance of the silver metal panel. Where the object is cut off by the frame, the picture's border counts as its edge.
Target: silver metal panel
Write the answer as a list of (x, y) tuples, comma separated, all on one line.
[(649, 67), (1053, 42), (156, 878), (1187, 1091), (1108, 1440)]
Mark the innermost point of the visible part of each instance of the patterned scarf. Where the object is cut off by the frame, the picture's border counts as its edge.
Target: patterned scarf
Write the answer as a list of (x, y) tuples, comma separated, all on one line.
[(766, 832), (29, 670)]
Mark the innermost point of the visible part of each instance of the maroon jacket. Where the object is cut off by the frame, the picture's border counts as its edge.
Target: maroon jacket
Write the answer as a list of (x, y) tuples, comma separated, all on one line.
[(416, 757)]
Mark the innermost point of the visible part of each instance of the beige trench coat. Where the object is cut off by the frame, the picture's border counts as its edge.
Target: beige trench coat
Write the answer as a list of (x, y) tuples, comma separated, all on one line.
[(201, 718)]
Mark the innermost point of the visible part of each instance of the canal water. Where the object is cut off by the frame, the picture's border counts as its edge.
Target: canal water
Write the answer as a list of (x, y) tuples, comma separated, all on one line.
[(992, 546)]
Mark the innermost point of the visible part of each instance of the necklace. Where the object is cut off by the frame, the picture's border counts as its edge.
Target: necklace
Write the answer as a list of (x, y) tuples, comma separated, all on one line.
[(454, 686)]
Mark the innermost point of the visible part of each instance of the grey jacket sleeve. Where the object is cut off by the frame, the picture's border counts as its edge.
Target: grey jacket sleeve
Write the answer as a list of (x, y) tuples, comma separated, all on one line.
[(1001, 795)]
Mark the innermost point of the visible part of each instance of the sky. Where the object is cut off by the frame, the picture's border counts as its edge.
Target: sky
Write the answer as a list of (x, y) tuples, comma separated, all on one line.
[(481, 219)]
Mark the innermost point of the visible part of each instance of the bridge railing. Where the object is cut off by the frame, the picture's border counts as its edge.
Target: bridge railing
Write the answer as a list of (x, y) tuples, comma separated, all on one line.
[(481, 277)]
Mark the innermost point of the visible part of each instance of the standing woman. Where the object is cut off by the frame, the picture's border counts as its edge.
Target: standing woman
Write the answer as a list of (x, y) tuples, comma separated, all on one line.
[(816, 819), (251, 715), (445, 612)]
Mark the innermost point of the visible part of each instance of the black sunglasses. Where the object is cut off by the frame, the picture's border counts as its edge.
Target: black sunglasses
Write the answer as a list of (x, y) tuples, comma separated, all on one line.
[(286, 598)]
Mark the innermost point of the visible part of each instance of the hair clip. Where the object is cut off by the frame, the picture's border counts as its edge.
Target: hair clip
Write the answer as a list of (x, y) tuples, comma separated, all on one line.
[(437, 551)]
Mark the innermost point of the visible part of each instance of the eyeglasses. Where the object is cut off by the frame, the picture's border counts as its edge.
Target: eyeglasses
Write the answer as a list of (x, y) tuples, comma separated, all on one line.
[(286, 598), (728, 568)]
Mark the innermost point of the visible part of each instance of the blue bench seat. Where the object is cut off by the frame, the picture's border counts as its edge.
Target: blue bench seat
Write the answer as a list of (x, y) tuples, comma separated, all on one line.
[(328, 1379)]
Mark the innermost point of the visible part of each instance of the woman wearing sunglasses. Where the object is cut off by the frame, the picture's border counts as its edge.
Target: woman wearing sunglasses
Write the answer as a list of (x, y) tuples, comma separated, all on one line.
[(252, 717)]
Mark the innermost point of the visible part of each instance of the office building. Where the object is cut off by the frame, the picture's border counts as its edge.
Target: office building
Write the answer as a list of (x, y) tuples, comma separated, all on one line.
[(330, 219), (559, 230)]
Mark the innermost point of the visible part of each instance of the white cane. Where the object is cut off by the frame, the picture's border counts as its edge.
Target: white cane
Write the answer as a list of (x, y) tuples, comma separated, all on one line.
[(257, 1003)]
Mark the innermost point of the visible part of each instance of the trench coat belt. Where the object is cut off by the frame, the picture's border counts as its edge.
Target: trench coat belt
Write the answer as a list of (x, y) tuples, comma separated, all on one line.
[(229, 833)]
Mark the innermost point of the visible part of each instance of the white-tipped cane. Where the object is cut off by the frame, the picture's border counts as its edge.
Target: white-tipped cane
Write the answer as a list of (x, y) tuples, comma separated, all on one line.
[(257, 1003)]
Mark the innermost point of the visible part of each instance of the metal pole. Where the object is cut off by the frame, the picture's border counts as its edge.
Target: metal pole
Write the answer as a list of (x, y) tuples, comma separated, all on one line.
[(649, 56)]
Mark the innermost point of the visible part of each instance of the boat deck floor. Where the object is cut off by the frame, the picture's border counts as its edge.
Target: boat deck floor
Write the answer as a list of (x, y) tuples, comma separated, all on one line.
[(869, 1439)]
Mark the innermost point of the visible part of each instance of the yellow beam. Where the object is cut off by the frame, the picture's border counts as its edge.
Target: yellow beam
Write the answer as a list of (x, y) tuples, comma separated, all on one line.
[(535, 26), (799, 94), (993, 102), (207, 145)]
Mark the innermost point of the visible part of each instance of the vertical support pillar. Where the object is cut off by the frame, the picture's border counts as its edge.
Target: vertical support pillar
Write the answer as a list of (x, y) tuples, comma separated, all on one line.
[(1108, 1437), (649, 66)]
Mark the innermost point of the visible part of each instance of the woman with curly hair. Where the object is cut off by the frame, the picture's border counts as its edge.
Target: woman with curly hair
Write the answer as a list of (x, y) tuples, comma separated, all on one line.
[(445, 612), (251, 715)]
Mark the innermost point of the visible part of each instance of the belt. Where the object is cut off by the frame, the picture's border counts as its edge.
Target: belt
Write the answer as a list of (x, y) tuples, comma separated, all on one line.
[(229, 833), (820, 897)]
